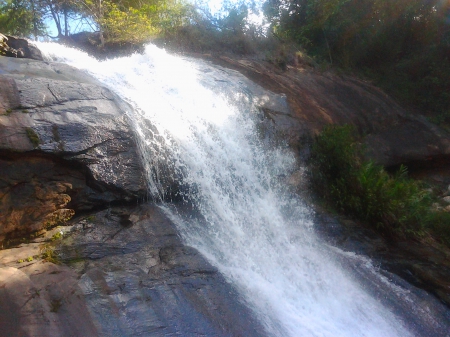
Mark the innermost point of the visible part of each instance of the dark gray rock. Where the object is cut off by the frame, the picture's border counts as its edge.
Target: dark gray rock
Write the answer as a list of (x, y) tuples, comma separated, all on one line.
[(22, 48), (276, 120), (56, 112), (399, 274), (139, 279), (412, 141)]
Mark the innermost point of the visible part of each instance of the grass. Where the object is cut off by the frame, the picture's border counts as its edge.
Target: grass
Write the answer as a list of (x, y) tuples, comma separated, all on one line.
[(393, 204), (32, 136), (57, 236), (90, 218), (48, 254)]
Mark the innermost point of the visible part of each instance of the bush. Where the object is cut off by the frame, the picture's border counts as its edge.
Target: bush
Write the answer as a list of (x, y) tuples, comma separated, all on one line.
[(393, 204), (439, 223)]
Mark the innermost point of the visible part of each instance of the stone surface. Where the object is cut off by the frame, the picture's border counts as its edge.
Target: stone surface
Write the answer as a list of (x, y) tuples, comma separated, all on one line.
[(274, 116), (23, 48), (39, 298), (411, 278), (35, 192), (126, 273), (65, 141), (394, 136), (65, 144), (138, 279)]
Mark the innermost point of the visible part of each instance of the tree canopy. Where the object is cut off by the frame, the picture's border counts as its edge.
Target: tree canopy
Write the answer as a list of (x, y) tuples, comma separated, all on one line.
[(404, 44), (131, 20)]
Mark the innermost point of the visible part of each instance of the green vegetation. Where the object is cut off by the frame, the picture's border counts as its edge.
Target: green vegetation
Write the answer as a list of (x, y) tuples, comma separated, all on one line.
[(393, 204), (28, 259), (21, 17), (59, 217), (48, 254), (57, 236), (117, 21), (90, 218), (403, 46), (32, 136)]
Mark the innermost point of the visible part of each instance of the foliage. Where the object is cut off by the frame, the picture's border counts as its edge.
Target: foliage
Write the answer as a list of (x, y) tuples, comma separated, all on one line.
[(134, 22), (393, 204), (33, 137), (48, 254), (118, 21), (3, 49), (90, 218), (440, 226), (57, 236), (228, 30), (21, 17), (130, 24), (403, 46)]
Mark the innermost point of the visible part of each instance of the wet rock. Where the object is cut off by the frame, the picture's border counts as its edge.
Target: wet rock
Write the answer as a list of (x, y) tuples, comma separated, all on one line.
[(21, 48), (416, 272), (140, 280), (275, 119), (65, 143), (394, 135)]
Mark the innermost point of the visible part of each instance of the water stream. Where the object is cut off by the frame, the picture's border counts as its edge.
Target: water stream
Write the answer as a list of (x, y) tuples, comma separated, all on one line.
[(241, 218)]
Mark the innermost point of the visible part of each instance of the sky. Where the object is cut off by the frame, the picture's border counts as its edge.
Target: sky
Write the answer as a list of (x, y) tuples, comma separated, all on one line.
[(214, 6), (254, 18)]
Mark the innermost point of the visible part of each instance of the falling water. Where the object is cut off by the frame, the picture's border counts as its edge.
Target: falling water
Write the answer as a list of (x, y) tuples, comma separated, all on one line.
[(241, 217)]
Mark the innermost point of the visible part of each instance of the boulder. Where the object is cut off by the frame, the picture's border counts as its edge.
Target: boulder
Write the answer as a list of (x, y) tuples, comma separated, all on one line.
[(21, 48), (66, 145)]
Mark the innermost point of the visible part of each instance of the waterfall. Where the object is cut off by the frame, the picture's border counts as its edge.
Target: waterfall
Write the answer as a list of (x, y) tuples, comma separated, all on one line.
[(235, 208)]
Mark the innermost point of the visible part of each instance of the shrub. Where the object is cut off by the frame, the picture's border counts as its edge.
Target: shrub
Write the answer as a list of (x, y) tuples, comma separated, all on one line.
[(393, 204), (48, 254), (439, 223)]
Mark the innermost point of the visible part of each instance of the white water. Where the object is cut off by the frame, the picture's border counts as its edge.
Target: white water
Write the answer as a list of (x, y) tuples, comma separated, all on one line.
[(245, 223)]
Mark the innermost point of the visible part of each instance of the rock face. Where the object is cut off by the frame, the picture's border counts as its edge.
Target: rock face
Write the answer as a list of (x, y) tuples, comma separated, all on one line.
[(18, 47), (393, 135), (405, 264), (275, 118), (66, 145), (130, 276), (140, 280)]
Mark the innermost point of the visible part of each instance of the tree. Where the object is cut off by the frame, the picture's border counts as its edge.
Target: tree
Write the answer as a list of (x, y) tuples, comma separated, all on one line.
[(134, 21), (21, 17), (403, 45)]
